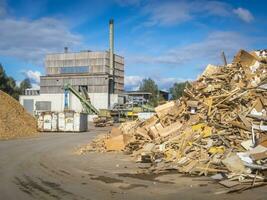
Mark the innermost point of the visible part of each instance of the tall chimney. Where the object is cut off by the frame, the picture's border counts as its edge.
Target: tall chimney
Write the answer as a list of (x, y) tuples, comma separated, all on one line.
[(65, 49), (111, 46), (111, 57), (111, 61)]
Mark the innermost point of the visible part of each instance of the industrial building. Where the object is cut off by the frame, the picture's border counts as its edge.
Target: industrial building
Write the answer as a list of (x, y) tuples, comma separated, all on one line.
[(100, 74)]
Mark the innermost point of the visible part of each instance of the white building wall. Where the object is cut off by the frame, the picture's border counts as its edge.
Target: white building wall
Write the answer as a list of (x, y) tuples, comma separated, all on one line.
[(99, 101), (57, 100)]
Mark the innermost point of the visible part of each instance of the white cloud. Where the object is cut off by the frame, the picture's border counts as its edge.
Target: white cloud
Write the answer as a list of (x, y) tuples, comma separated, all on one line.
[(244, 14), (34, 76), (165, 83), (175, 12), (133, 82), (168, 13), (215, 8), (208, 49), (35, 86), (203, 52), (30, 40)]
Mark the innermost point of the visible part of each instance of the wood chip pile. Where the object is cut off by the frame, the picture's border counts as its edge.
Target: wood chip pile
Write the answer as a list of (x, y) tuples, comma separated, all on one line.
[(219, 127), (14, 120)]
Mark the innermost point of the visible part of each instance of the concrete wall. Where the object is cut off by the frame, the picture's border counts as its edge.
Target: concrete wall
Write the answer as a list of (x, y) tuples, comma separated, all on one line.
[(57, 100), (53, 85), (96, 63), (99, 100)]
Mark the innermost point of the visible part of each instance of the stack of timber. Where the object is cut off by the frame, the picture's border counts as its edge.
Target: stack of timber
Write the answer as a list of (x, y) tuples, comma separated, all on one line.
[(218, 127)]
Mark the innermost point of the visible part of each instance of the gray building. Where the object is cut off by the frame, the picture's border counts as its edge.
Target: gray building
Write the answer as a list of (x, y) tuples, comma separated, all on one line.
[(101, 74), (87, 69)]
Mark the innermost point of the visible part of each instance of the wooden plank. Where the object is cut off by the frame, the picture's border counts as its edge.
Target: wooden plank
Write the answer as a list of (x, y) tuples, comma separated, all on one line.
[(115, 143), (170, 129), (163, 109)]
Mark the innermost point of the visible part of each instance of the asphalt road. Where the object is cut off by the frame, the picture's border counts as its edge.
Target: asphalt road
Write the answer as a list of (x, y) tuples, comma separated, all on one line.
[(45, 167)]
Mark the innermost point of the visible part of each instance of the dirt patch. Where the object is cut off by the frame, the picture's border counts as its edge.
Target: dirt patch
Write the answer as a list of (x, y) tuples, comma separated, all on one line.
[(14, 120)]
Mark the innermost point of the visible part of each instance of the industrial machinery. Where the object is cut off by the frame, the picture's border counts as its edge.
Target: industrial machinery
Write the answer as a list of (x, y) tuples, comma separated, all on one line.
[(130, 110), (84, 99), (103, 117), (119, 112)]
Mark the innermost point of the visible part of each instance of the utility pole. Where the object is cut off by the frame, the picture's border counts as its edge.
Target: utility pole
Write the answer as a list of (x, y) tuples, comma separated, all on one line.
[(224, 59)]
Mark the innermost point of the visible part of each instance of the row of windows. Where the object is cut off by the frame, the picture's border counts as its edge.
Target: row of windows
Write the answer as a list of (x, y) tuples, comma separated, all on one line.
[(74, 70)]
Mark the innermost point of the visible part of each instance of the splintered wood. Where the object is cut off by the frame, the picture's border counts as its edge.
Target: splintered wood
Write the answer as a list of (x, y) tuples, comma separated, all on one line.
[(218, 126)]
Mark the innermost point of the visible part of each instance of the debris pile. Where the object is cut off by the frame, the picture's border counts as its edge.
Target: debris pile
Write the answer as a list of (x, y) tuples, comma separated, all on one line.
[(14, 120), (100, 121), (218, 127)]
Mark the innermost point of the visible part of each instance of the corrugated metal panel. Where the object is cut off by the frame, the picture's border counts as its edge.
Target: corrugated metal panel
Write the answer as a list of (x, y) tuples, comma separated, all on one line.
[(91, 89), (97, 60)]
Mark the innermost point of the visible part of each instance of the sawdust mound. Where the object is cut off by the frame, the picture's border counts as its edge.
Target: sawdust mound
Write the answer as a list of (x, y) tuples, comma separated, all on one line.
[(14, 120)]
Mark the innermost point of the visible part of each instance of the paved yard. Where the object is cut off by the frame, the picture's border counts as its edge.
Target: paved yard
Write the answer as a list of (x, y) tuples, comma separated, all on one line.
[(45, 167)]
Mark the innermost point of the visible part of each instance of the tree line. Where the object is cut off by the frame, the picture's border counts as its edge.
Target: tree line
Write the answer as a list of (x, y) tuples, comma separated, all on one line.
[(149, 85), (8, 84)]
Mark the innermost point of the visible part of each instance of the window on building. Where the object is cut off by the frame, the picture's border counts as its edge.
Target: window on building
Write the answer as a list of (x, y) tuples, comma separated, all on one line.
[(74, 70), (83, 88), (43, 105)]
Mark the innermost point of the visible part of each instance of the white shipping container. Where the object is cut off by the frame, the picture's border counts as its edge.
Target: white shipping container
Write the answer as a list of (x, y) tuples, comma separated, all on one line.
[(40, 122), (76, 122), (47, 122), (54, 122), (67, 121), (61, 121), (80, 122)]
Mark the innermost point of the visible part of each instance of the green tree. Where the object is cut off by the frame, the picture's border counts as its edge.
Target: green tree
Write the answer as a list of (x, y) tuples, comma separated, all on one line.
[(8, 84), (25, 84), (3, 78), (177, 89), (149, 85)]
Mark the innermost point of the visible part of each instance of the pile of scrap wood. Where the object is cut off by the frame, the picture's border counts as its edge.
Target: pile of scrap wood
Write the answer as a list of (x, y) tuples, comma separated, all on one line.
[(102, 121), (218, 127)]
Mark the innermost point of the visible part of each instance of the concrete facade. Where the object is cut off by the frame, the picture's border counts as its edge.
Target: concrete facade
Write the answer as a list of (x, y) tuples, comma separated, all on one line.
[(57, 101), (89, 70)]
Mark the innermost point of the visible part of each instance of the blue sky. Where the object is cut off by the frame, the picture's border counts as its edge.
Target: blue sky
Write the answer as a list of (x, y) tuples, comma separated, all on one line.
[(169, 41)]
